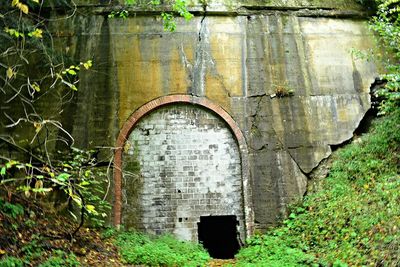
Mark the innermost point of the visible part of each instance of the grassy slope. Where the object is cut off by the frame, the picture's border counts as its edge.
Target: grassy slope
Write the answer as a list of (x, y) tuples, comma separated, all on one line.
[(354, 219)]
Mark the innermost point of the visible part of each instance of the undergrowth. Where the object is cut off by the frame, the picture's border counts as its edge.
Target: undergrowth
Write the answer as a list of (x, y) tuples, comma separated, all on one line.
[(272, 251), (137, 248), (353, 220)]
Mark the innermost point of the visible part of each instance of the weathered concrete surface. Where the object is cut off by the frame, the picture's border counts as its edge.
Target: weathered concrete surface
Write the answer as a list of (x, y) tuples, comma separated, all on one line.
[(240, 63)]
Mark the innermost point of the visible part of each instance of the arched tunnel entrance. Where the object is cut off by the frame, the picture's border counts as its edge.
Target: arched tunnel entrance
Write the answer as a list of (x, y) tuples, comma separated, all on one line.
[(182, 173), (181, 162)]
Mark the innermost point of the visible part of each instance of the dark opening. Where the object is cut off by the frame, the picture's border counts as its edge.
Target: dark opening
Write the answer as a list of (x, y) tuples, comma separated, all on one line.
[(219, 235)]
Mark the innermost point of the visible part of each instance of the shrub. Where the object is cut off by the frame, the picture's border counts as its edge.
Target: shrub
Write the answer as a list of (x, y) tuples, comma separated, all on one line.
[(11, 262), (61, 259), (272, 251), (137, 248)]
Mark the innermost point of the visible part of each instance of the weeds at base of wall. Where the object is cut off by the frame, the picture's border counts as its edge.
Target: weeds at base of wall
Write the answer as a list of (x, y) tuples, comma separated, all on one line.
[(165, 250)]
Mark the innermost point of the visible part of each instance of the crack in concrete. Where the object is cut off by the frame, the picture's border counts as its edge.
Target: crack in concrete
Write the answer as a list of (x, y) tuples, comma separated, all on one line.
[(254, 128), (203, 61), (202, 20), (201, 56), (282, 146), (186, 63)]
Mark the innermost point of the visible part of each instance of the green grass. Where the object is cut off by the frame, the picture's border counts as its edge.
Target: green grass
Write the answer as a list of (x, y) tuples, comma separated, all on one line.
[(137, 248), (272, 251), (58, 258), (354, 219)]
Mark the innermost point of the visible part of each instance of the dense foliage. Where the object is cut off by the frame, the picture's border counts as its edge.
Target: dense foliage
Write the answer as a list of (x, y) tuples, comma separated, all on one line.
[(140, 249), (37, 160), (272, 251), (26, 234), (386, 24)]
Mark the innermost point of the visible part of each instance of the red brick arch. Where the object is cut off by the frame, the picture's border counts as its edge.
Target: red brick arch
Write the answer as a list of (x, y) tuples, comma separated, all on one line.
[(173, 99)]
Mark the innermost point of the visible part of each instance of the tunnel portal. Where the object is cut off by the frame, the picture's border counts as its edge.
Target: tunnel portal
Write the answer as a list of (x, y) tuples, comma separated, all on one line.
[(182, 165)]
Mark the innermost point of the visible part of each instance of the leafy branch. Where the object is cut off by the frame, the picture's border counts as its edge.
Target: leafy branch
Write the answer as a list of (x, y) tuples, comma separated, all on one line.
[(33, 72), (178, 7), (386, 23)]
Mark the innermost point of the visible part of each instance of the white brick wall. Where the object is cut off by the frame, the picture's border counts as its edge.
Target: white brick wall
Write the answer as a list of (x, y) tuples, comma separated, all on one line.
[(189, 167)]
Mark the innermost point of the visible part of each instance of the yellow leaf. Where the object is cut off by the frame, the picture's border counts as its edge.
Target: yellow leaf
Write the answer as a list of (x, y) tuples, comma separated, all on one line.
[(36, 87), (38, 184), (24, 8), (87, 64), (9, 73), (38, 126), (2, 252), (91, 209), (38, 33), (127, 146), (36, 1), (14, 2)]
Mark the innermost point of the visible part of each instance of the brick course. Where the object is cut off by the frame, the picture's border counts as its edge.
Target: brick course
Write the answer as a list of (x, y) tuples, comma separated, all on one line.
[(189, 166)]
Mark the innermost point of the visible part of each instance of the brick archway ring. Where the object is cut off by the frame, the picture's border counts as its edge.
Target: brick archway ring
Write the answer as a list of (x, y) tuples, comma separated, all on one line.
[(173, 99)]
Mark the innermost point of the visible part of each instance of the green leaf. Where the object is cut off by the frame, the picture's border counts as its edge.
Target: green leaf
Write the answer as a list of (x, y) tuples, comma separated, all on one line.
[(72, 72), (67, 165), (41, 190), (91, 209), (8, 180), (3, 171), (63, 176), (84, 183), (11, 164)]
